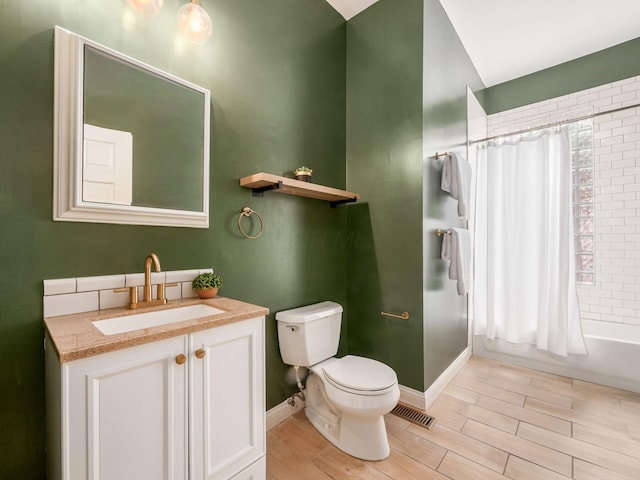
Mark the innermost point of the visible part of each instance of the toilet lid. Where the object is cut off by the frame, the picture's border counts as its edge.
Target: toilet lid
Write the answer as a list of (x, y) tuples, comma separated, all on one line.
[(359, 373)]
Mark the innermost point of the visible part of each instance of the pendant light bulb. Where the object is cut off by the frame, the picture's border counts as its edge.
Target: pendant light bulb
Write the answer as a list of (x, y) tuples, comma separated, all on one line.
[(146, 7), (194, 22)]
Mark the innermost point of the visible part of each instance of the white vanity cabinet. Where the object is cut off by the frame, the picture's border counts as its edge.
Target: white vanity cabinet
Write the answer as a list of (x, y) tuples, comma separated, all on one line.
[(227, 427), (187, 407)]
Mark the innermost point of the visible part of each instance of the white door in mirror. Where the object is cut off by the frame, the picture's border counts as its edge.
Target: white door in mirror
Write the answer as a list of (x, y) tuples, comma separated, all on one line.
[(107, 167)]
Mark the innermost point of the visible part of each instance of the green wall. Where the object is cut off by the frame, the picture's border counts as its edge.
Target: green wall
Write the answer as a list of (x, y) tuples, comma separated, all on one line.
[(407, 77), (609, 65), (276, 71), (384, 165), (447, 71)]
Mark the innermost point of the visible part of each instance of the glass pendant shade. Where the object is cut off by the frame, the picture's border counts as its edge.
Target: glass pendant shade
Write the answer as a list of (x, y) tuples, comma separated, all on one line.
[(194, 22), (146, 7)]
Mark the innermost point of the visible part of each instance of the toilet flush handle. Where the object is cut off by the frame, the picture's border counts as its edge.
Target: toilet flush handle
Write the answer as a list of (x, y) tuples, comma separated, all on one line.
[(293, 328)]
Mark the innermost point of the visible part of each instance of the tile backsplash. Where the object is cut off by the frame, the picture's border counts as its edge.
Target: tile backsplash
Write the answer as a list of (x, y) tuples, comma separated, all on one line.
[(66, 296)]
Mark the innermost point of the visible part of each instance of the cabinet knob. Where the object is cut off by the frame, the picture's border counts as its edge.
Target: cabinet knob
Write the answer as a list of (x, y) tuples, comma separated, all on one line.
[(200, 353), (180, 359)]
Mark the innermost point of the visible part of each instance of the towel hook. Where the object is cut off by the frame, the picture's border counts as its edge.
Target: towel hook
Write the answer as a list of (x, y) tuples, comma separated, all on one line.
[(247, 212), (443, 154), (440, 232)]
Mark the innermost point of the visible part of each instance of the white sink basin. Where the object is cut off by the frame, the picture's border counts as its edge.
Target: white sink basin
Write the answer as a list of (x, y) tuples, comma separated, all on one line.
[(137, 321)]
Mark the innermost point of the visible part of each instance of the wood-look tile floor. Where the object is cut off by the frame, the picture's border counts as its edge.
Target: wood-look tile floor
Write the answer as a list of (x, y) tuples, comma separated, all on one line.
[(494, 421)]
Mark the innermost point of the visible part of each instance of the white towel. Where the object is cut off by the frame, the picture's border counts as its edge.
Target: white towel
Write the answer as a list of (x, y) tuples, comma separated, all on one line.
[(456, 179), (456, 248)]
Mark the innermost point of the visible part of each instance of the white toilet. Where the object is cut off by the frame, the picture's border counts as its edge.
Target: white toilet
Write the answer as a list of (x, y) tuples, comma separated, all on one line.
[(346, 398)]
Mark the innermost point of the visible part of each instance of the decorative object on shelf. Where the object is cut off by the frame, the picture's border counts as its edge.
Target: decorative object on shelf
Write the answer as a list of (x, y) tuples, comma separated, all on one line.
[(303, 173), (264, 182), (194, 22), (146, 7), (207, 284), (247, 212)]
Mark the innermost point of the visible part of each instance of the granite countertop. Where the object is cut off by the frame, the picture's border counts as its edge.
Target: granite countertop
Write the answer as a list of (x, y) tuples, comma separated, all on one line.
[(75, 337)]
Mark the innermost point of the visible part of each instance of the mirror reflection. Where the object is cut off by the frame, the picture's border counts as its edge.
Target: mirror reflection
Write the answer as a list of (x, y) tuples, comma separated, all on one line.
[(142, 140)]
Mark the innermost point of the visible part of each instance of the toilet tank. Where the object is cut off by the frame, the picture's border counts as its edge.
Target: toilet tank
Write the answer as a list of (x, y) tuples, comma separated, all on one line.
[(308, 335)]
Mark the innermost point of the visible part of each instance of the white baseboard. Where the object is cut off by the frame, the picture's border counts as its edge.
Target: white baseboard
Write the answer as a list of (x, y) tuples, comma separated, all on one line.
[(423, 400), (413, 398), (445, 378), (281, 412)]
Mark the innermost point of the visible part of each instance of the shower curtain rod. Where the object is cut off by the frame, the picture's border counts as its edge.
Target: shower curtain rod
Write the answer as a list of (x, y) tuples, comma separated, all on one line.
[(553, 124)]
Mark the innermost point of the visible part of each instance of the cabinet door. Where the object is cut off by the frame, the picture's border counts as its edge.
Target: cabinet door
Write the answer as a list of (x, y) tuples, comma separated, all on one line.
[(125, 414), (257, 471), (228, 399)]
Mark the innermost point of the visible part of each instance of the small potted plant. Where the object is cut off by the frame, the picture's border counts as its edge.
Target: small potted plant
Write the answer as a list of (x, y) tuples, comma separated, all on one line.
[(206, 284), (303, 173)]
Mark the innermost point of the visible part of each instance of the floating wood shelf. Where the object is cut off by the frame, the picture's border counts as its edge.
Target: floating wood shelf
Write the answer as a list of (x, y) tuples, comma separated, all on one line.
[(262, 182)]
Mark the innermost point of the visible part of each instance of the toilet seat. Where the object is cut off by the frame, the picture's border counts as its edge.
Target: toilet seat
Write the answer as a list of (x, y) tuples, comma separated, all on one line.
[(360, 376)]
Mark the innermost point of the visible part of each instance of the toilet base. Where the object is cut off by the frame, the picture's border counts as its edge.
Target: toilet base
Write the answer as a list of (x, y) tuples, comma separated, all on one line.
[(360, 436)]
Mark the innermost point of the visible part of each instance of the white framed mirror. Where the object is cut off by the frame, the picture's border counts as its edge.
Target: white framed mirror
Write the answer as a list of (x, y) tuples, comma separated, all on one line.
[(131, 142)]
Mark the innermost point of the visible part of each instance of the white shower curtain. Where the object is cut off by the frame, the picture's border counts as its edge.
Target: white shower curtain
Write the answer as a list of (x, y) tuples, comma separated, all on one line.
[(524, 281)]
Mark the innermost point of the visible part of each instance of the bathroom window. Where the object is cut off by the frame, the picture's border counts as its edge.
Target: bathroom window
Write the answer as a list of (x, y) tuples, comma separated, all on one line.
[(582, 159)]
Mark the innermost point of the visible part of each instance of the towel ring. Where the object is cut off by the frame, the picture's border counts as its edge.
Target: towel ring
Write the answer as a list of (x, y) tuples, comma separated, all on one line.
[(247, 212)]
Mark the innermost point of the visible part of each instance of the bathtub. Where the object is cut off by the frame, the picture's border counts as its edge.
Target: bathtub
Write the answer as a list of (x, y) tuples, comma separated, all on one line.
[(613, 360)]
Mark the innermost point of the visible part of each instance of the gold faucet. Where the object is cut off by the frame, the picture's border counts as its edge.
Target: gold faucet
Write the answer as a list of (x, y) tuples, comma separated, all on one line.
[(146, 292), (147, 299)]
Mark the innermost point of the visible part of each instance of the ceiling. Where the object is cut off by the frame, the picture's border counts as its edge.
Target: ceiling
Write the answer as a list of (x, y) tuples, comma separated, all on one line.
[(350, 8), (507, 39)]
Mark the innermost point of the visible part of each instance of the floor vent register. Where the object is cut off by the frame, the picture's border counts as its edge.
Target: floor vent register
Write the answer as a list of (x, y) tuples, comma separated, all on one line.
[(414, 416)]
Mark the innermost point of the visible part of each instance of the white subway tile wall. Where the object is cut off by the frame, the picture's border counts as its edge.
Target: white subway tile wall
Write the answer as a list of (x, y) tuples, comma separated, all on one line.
[(59, 286), (182, 276), (69, 303), (87, 284), (615, 294), (187, 291), (111, 299), (65, 296)]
